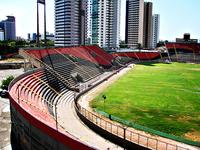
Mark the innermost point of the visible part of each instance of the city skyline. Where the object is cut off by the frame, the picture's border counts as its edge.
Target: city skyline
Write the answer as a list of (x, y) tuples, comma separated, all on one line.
[(174, 20)]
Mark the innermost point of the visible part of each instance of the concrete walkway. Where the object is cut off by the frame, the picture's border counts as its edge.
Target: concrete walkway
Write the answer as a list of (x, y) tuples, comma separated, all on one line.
[(69, 120), (5, 125)]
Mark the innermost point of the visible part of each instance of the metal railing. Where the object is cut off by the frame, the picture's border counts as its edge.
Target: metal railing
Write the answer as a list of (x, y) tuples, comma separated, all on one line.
[(125, 133)]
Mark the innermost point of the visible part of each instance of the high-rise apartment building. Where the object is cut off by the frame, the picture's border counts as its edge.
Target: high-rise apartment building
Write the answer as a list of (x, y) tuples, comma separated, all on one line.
[(70, 22), (89, 22), (9, 28), (34, 36), (106, 23), (29, 36), (156, 29), (134, 22), (114, 31), (147, 25)]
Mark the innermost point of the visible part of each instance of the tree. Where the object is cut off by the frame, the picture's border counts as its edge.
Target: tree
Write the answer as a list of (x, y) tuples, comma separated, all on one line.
[(123, 44), (5, 83), (50, 43), (21, 43), (161, 43), (139, 46), (12, 44), (8, 47)]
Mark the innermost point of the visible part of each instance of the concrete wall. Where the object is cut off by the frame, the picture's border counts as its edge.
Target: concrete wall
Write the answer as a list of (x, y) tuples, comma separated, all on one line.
[(29, 137)]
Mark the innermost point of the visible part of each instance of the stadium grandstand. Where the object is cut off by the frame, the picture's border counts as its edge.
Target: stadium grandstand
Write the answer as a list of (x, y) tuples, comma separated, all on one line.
[(184, 52), (45, 112)]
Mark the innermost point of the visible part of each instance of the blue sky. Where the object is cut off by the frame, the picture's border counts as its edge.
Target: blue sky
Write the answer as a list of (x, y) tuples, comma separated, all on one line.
[(177, 16)]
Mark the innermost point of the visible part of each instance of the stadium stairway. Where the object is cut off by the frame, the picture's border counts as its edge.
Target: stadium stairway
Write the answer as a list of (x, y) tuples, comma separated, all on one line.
[(69, 120)]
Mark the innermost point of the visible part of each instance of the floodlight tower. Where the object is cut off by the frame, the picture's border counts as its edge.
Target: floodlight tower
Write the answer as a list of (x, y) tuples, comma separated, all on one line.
[(38, 26)]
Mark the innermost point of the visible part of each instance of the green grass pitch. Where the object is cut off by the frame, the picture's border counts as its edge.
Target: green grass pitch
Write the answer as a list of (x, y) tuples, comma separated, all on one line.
[(164, 97)]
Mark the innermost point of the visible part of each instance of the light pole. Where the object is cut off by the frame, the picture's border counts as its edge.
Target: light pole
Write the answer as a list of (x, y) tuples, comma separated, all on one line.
[(38, 26), (104, 98), (45, 31)]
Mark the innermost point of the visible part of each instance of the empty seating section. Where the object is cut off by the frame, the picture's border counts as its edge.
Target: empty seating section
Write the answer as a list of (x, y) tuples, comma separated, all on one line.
[(101, 56), (185, 57), (79, 52), (62, 68), (45, 88), (53, 82), (52, 59), (184, 52), (138, 55), (93, 54), (185, 46), (36, 90), (68, 65), (91, 69), (45, 91), (32, 105), (40, 92), (121, 60)]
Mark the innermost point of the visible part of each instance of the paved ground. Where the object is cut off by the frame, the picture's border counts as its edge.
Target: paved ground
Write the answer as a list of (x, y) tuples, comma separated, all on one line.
[(5, 112)]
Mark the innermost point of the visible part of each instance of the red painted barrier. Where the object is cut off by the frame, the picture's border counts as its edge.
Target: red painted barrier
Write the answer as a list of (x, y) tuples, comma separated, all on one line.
[(190, 47), (138, 55), (91, 53)]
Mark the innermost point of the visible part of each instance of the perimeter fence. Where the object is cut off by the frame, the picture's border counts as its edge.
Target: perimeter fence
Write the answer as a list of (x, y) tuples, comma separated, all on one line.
[(124, 132)]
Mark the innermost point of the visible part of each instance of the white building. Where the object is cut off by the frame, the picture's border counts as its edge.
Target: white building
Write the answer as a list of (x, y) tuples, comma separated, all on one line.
[(156, 29), (70, 22), (134, 22), (1, 35), (106, 23)]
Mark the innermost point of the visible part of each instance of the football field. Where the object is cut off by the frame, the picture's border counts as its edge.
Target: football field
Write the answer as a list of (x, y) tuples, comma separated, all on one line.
[(164, 97)]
